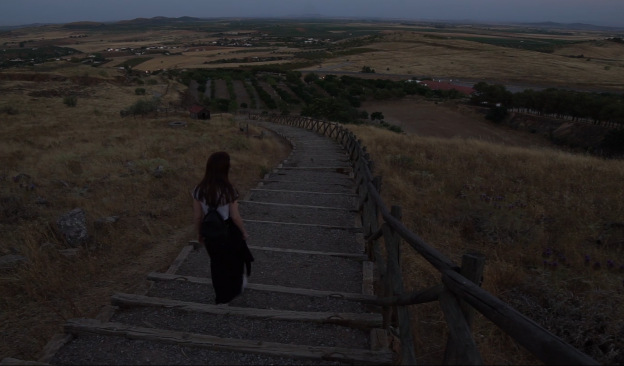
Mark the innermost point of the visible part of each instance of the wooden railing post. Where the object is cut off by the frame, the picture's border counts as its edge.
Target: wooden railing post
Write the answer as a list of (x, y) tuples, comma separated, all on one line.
[(395, 281), (471, 268)]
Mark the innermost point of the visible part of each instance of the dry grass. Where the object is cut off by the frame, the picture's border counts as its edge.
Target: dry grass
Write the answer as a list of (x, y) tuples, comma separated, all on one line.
[(416, 54), (549, 199), (79, 157)]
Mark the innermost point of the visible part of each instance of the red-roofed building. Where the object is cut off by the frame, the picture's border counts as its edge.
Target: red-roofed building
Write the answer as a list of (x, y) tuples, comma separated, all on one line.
[(435, 85), (199, 112)]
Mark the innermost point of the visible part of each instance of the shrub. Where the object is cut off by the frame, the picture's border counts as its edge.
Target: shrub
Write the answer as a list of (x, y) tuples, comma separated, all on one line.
[(378, 116), (614, 142), (154, 82), (496, 114), (9, 110), (201, 88), (142, 107), (139, 91), (70, 101), (244, 105)]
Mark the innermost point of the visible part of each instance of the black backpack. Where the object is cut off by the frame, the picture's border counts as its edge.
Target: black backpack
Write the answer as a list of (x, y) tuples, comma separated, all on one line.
[(213, 227)]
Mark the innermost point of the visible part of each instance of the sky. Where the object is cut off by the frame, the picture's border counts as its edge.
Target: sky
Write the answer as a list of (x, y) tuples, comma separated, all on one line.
[(599, 12)]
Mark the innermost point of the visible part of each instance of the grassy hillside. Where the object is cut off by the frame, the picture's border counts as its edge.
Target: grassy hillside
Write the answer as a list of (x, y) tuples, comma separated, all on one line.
[(88, 157), (535, 214)]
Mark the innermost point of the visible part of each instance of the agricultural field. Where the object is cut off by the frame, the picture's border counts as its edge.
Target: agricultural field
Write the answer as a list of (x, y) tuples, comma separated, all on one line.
[(421, 55)]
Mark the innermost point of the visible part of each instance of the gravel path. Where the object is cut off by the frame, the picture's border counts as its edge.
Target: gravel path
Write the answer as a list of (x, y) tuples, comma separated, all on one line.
[(309, 199), (107, 350), (302, 237), (310, 334), (299, 215), (318, 272)]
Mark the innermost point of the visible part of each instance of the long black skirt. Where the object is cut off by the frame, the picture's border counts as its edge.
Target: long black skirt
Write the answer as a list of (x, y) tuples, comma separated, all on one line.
[(229, 263)]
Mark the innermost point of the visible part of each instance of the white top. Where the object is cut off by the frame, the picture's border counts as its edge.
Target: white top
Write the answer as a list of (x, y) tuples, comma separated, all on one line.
[(223, 210)]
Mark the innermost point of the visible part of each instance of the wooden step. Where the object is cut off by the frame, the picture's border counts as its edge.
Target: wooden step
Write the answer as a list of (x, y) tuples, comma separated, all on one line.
[(15, 361), (360, 321), (154, 276), (348, 185), (354, 256), (355, 229), (298, 206), (305, 192), (346, 355)]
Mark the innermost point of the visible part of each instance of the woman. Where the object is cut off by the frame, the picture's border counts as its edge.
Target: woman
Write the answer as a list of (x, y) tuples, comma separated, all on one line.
[(230, 262)]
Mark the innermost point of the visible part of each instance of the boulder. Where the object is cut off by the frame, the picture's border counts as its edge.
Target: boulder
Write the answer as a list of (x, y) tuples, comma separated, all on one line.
[(41, 201), (11, 261), (158, 173), (73, 226), (69, 253)]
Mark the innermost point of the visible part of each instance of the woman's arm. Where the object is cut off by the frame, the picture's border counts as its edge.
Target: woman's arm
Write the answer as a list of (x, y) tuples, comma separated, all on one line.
[(197, 219), (236, 217)]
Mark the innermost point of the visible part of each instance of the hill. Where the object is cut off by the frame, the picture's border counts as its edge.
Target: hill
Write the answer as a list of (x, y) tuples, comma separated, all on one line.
[(83, 25), (158, 20), (577, 26)]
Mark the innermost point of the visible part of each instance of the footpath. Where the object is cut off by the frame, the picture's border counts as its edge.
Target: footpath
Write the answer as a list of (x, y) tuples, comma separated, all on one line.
[(304, 301)]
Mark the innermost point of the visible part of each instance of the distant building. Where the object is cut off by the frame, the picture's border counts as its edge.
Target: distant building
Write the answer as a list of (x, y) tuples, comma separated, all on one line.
[(199, 112), (436, 85)]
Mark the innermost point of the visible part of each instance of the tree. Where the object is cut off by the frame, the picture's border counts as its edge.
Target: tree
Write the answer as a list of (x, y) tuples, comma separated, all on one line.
[(244, 105), (367, 70), (233, 106), (293, 77), (496, 114), (377, 116), (363, 115), (311, 77), (21, 44), (223, 104)]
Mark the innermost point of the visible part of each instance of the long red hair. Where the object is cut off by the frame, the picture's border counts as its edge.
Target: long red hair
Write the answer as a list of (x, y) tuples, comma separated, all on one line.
[(216, 188)]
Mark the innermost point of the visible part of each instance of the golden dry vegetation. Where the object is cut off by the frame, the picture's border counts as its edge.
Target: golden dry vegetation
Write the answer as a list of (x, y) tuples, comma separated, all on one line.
[(514, 205), (416, 54), (88, 157)]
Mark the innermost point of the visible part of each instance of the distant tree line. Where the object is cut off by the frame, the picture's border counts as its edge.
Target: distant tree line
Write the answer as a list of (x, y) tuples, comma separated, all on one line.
[(558, 103)]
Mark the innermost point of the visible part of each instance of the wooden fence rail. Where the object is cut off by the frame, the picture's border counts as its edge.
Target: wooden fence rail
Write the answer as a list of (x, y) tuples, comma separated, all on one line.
[(459, 294)]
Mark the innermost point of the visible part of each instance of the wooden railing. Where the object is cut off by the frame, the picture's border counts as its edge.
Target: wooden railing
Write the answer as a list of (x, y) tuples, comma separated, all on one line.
[(459, 294)]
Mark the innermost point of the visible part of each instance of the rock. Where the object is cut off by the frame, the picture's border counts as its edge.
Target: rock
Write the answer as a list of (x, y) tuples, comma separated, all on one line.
[(158, 173), (41, 201), (11, 206), (11, 261), (69, 253), (21, 178), (105, 221), (47, 246), (73, 226)]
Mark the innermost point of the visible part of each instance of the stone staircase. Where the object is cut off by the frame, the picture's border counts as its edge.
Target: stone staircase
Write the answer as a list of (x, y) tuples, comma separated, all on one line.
[(303, 303)]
